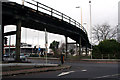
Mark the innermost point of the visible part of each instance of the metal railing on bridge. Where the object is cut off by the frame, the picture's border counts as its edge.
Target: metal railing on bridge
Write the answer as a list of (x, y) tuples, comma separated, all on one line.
[(54, 12)]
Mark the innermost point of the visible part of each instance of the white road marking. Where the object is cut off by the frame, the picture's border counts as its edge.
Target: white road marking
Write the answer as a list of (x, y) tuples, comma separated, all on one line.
[(108, 76), (84, 70), (116, 75), (14, 75), (104, 76), (65, 73)]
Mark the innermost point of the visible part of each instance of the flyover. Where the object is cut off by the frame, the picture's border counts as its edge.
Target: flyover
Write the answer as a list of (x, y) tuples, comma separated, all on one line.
[(21, 15)]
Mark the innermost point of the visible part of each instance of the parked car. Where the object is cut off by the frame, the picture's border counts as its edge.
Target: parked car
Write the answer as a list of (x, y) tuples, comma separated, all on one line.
[(6, 55), (22, 56), (27, 55)]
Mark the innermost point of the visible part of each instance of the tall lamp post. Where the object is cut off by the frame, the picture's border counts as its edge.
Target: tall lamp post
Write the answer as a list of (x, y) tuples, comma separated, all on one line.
[(23, 2), (86, 25), (81, 27), (90, 28), (81, 13)]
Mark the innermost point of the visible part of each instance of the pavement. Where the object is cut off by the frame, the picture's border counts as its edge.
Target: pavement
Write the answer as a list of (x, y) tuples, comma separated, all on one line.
[(36, 68), (100, 60), (109, 60), (32, 67), (49, 58), (29, 64)]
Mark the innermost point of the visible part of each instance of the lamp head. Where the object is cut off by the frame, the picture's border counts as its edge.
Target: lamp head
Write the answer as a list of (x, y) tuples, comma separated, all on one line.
[(89, 1), (78, 7)]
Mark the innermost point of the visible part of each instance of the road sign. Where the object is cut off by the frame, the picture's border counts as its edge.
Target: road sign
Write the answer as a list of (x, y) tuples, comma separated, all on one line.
[(39, 49)]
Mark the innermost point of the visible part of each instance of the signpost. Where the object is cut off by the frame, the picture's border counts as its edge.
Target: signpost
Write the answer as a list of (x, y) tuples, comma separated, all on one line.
[(39, 51)]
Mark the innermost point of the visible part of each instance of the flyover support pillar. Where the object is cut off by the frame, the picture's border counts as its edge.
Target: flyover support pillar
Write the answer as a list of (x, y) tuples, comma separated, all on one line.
[(1, 41), (66, 41), (77, 49), (80, 47), (86, 50), (18, 40)]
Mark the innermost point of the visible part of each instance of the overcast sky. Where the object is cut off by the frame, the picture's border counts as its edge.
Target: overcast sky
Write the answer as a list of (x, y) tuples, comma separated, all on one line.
[(103, 11)]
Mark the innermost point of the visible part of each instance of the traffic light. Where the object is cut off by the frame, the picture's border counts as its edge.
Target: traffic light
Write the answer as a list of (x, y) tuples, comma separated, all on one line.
[(5, 40)]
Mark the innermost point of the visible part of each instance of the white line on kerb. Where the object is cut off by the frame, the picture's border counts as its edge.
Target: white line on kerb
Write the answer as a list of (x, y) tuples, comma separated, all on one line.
[(84, 70), (65, 73), (108, 76)]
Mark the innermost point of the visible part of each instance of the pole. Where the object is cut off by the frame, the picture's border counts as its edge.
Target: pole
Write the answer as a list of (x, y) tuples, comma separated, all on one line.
[(46, 43), (1, 43), (76, 48), (9, 44), (23, 2), (80, 52), (2, 40), (38, 43), (25, 35), (25, 39), (32, 44), (1, 46), (81, 16), (86, 50), (90, 28), (66, 45)]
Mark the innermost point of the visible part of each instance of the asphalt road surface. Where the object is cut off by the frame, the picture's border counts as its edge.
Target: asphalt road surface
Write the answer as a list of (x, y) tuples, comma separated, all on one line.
[(79, 70)]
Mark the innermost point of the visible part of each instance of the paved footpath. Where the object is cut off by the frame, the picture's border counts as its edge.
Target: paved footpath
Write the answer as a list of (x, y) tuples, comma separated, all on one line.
[(45, 68), (28, 64)]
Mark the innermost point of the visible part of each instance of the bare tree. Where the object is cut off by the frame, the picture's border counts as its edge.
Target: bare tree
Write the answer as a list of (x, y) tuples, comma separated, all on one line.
[(62, 48), (103, 32)]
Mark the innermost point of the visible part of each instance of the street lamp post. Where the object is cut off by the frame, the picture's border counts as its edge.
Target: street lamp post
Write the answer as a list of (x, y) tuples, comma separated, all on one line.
[(90, 28), (81, 13), (23, 2), (86, 25), (81, 27)]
